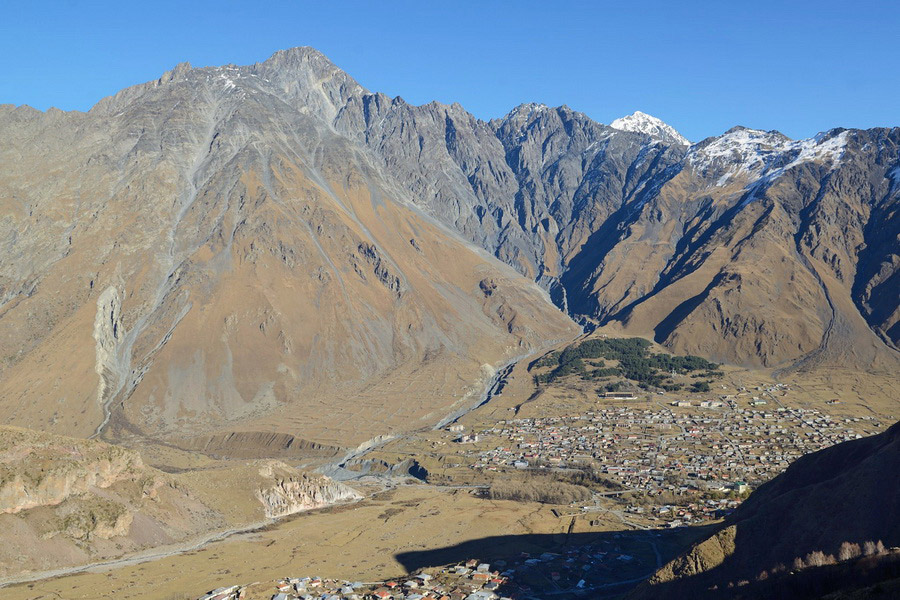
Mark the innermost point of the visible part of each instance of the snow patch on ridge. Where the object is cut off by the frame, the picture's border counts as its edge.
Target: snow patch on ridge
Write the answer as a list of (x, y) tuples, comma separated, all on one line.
[(643, 123), (763, 154)]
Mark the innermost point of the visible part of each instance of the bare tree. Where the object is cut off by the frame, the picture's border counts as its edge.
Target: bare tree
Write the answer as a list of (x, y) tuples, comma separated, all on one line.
[(798, 564), (870, 547), (815, 559), (818, 559), (848, 551)]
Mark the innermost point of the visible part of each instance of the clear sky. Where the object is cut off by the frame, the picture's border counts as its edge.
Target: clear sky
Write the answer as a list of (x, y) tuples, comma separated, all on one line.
[(796, 66)]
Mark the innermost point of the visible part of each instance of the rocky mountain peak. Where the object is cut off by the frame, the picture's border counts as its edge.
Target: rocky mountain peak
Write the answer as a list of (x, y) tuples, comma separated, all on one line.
[(301, 58), (175, 74), (643, 123), (309, 78), (522, 114), (527, 108)]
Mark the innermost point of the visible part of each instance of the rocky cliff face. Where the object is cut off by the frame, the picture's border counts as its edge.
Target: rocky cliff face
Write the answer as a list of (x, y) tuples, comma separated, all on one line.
[(531, 187), (295, 491), (630, 225), (38, 470), (64, 501)]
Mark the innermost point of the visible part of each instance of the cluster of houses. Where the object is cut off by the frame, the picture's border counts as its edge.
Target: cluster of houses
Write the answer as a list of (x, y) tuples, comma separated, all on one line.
[(690, 513), (472, 580), (576, 569), (234, 592), (613, 558), (716, 446)]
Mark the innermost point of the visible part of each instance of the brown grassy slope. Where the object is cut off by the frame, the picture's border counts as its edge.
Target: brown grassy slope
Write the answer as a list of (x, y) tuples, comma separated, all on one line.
[(255, 272)]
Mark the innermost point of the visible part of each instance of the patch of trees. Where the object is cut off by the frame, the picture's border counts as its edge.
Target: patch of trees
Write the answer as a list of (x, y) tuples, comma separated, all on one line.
[(585, 474), (602, 373), (635, 363), (614, 386), (856, 571), (538, 490), (847, 551), (550, 485), (725, 495), (549, 360)]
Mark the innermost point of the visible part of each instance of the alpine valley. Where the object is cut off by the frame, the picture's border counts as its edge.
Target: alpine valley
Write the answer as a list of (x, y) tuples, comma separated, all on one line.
[(235, 294)]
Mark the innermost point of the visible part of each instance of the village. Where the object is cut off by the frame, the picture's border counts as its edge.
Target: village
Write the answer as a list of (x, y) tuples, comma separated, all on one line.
[(472, 580), (669, 463), (710, 453)]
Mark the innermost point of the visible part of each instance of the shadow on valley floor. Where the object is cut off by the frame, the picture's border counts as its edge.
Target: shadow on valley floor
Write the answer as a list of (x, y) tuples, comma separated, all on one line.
[(612, 564), (561, 565)]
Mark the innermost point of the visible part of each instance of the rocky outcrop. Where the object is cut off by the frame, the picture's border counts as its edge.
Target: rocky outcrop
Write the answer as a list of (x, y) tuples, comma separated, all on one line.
[(409, 467), (369, 253), (703, 557), (37, 470), (100, 519), (293, 491), (66, 501)]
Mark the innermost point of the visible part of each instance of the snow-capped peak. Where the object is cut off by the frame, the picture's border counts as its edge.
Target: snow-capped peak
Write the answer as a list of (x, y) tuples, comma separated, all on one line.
[(644, 123), (767, 154)]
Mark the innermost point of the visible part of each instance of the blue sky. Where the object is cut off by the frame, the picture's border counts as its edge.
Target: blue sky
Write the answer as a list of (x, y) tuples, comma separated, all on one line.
[(799, 67)]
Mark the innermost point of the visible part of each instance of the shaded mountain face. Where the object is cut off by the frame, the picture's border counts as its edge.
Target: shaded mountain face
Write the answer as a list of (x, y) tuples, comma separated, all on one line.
[(852, 487), (275, 248), (749, 248), (206, 253)]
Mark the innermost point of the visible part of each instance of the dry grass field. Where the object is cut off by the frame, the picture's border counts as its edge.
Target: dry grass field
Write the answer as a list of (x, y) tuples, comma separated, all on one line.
[(358, 542)]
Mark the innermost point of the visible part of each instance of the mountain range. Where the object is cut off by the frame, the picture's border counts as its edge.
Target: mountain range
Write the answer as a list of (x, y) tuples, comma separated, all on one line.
[(232, 250)]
